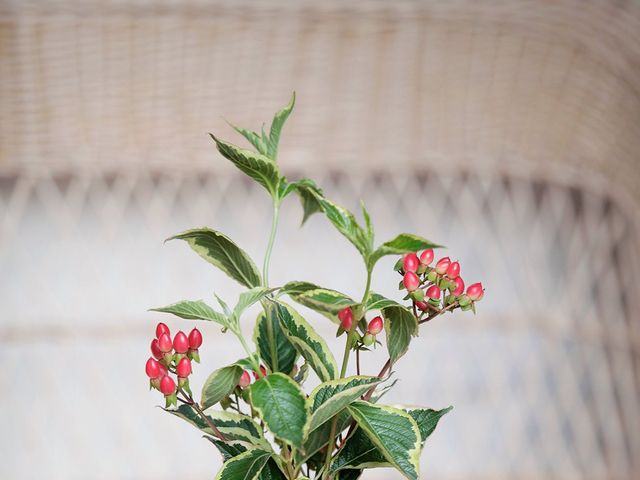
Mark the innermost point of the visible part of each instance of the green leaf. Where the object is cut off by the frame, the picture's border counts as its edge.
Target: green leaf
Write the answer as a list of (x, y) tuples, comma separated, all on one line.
[(271, 471), (306, 340), (228, 450), (319, 438), (250, 297), (349, 475), (403, 243), (427, 420), (254, 139), (323, 300), (400, 325), (220, 384), (368, 225), (219, 250), (246, 466), (330, 398), (359, 452), (274, 348), (194, 310), (346, 224), (276, 127), (281, 404), (259, 167), (378, 302), (394, 432), (308, 192)]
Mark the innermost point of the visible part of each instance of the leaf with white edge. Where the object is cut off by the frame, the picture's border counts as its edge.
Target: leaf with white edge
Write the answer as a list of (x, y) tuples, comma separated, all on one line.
[(308, 192), (403, 243), (194, 310), (220, 384), (219, 250), (323, 300), (228, 450), (400, 325), (259, 167), (330, 398), (271, 471), (274, 347), (250, 297), (368, 225), (276, 127), (427, 420), (378, 302), (281, 404), (346, 224), (394, 432), (254, 139), (306, 340), (246, 466), (320, 437), (359, 452)]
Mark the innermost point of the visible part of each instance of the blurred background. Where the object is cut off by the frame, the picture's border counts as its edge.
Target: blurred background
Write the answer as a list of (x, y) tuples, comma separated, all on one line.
[(507, 130)]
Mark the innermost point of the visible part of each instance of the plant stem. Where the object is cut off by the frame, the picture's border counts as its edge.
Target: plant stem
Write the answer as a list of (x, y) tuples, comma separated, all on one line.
[(256, 364), (272, 237)]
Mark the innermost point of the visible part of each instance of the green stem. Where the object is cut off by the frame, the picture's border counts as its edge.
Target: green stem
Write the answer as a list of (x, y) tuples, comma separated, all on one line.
[(272, 237), (256, 364)]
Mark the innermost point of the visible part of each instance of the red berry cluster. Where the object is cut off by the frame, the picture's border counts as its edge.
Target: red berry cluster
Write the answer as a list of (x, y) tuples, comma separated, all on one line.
[(374, 327), (172, 357), (437, 287)]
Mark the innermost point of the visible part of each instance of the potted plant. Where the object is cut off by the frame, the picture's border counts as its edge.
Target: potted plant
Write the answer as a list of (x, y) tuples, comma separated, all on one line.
[(268, 427)]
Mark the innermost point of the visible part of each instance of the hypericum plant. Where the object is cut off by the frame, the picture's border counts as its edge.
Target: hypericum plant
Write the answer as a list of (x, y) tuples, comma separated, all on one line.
[(339, 428)]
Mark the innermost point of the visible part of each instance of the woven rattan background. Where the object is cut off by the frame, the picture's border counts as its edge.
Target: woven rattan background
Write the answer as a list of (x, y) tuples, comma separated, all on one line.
[(508, 131)]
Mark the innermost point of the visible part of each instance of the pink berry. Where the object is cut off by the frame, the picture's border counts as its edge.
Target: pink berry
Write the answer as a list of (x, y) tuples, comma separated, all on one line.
[(442, 265), (459, 286), (453, 271), (195, 339), (163, 370), (155, 349), (375, 326), (475, 291), (167, 385), (422, 305), (152, 368), (245, 380), (162, 328), (164, 343), (411, 281), (346, 318), (410, 262), (181, 342), (433, 292), (263, 370), (183, 369), (426, 257)]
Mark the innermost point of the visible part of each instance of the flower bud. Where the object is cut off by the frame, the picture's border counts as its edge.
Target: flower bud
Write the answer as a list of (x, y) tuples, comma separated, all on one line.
[(434, 292), (245, 380), (410, 262), (152, 368), (263, 371), (155, 349), (181, 342), (183, 369), (162, 328), (164, 343), (346, 318), (426, 257), (195, 339), (453, 271), (422, 306), (475, 291), (167, 385), (368, 339), (375, 326), (442, 265), (459, 286), (411, 281)]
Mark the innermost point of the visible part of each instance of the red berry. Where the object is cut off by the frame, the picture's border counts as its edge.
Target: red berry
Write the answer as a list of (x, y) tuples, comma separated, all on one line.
[(411, 281), (375, 326), (433, 292), (346, 318), (167, 385), (263, 370), (442, 265), (183, 369), (475, 291), (426, 257), (180, 342), (163, 370), (164, 343), (155, 349), (459, 286), (195, 339), (162, 328), (152, 368), (453, 271), (422, 305), (245, 380), (410, 262)]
